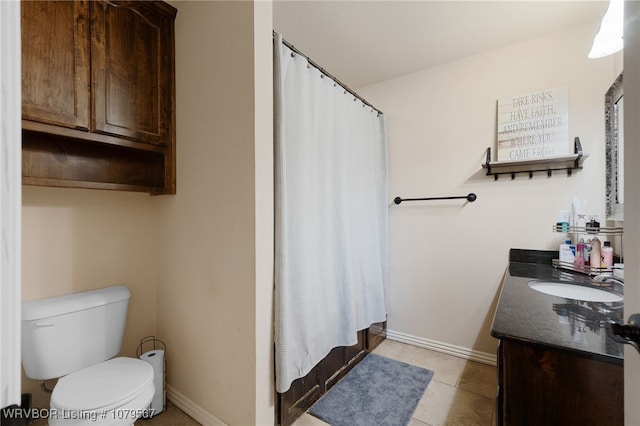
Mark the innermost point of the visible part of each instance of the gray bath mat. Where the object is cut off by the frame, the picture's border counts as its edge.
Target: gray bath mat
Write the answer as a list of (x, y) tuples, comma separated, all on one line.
[(377, 391)]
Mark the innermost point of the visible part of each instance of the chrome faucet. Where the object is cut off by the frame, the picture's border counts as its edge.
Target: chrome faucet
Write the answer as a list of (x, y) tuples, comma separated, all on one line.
[(607, 277), (628, 334)]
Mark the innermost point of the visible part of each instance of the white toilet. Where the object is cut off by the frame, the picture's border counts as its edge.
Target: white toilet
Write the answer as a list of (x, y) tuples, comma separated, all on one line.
[(74, 338)]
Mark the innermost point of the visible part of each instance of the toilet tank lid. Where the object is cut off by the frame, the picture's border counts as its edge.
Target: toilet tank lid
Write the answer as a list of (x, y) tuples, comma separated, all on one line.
[(45, 308)]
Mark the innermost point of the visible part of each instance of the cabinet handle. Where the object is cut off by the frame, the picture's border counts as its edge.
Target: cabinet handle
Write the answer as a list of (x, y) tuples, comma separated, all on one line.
[(626, 333)]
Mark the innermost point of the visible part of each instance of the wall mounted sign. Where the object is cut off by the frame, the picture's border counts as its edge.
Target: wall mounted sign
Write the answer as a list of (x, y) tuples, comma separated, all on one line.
[(534, 126)]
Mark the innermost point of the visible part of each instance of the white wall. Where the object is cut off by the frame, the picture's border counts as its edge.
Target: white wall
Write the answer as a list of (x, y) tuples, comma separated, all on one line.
[(448, 258), (264, 212), (215, 251), (10, 205)]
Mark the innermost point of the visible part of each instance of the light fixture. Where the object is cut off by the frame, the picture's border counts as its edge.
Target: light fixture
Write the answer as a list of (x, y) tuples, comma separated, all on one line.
[(609, 37)]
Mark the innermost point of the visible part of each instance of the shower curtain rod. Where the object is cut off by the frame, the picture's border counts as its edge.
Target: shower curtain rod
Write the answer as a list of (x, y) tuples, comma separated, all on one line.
[(328, 74)]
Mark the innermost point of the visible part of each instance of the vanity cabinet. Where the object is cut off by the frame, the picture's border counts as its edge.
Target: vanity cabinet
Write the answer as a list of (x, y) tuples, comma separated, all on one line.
[(557, 364), (99, 94), (540, 385)]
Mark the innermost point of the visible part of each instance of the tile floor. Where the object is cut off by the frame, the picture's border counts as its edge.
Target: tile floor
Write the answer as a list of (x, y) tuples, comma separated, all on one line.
[(461, 392), (171, 416)]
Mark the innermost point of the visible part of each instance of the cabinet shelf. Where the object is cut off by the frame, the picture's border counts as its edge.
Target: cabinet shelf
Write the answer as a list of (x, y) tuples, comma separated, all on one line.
[(84, 136), (51, 160), (582, 269), (601, 230), (548, 165)]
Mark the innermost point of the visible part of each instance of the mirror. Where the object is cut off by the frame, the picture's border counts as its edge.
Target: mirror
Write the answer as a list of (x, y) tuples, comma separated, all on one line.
[(614, 134)]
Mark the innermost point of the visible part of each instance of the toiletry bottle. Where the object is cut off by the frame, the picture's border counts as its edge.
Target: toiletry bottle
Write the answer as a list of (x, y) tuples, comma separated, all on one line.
[(581, 222), (607, 255), (587, 252), (581, 226), (579, 261), (562, 225), (595, 258), (567, 252)]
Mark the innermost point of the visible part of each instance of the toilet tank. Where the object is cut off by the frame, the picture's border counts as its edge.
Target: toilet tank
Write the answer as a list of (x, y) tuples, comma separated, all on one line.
[(64, 334)]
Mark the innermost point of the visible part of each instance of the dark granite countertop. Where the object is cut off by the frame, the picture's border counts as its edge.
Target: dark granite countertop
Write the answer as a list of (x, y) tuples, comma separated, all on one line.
[(527, 315)]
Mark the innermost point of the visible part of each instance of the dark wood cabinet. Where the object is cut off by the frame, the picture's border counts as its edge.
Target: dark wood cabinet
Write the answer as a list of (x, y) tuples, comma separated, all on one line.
[(540, 385), (55, 63), (99, 94), (131, 70), (305, 391), (376, 333)]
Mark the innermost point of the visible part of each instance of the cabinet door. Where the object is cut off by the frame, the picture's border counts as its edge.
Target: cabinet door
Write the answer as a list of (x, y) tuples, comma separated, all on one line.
[(131, 68), (541, 385), (55, 62)]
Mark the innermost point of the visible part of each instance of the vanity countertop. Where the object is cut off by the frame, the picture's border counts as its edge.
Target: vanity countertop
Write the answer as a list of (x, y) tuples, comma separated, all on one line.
[(526, 315)]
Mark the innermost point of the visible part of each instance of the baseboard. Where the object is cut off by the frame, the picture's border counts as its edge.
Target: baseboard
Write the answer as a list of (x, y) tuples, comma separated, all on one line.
[(445, 348), (198, 413)]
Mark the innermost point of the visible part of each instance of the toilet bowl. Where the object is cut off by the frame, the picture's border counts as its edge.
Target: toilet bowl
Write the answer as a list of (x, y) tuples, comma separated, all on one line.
[(114, 392), (75, 338)]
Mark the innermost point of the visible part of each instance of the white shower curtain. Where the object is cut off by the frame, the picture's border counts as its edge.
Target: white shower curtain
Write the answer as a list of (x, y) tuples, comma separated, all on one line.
[(331, 216)]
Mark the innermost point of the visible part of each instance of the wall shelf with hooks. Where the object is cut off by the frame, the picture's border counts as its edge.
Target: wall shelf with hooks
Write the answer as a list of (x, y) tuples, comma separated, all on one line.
[(548, 165)]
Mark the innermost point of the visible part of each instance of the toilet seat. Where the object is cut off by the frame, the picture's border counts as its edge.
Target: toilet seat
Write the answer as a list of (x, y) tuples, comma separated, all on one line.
[(105, 386)]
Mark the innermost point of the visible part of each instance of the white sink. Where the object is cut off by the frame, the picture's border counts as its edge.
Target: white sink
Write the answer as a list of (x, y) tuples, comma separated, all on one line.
[(573, 291)]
